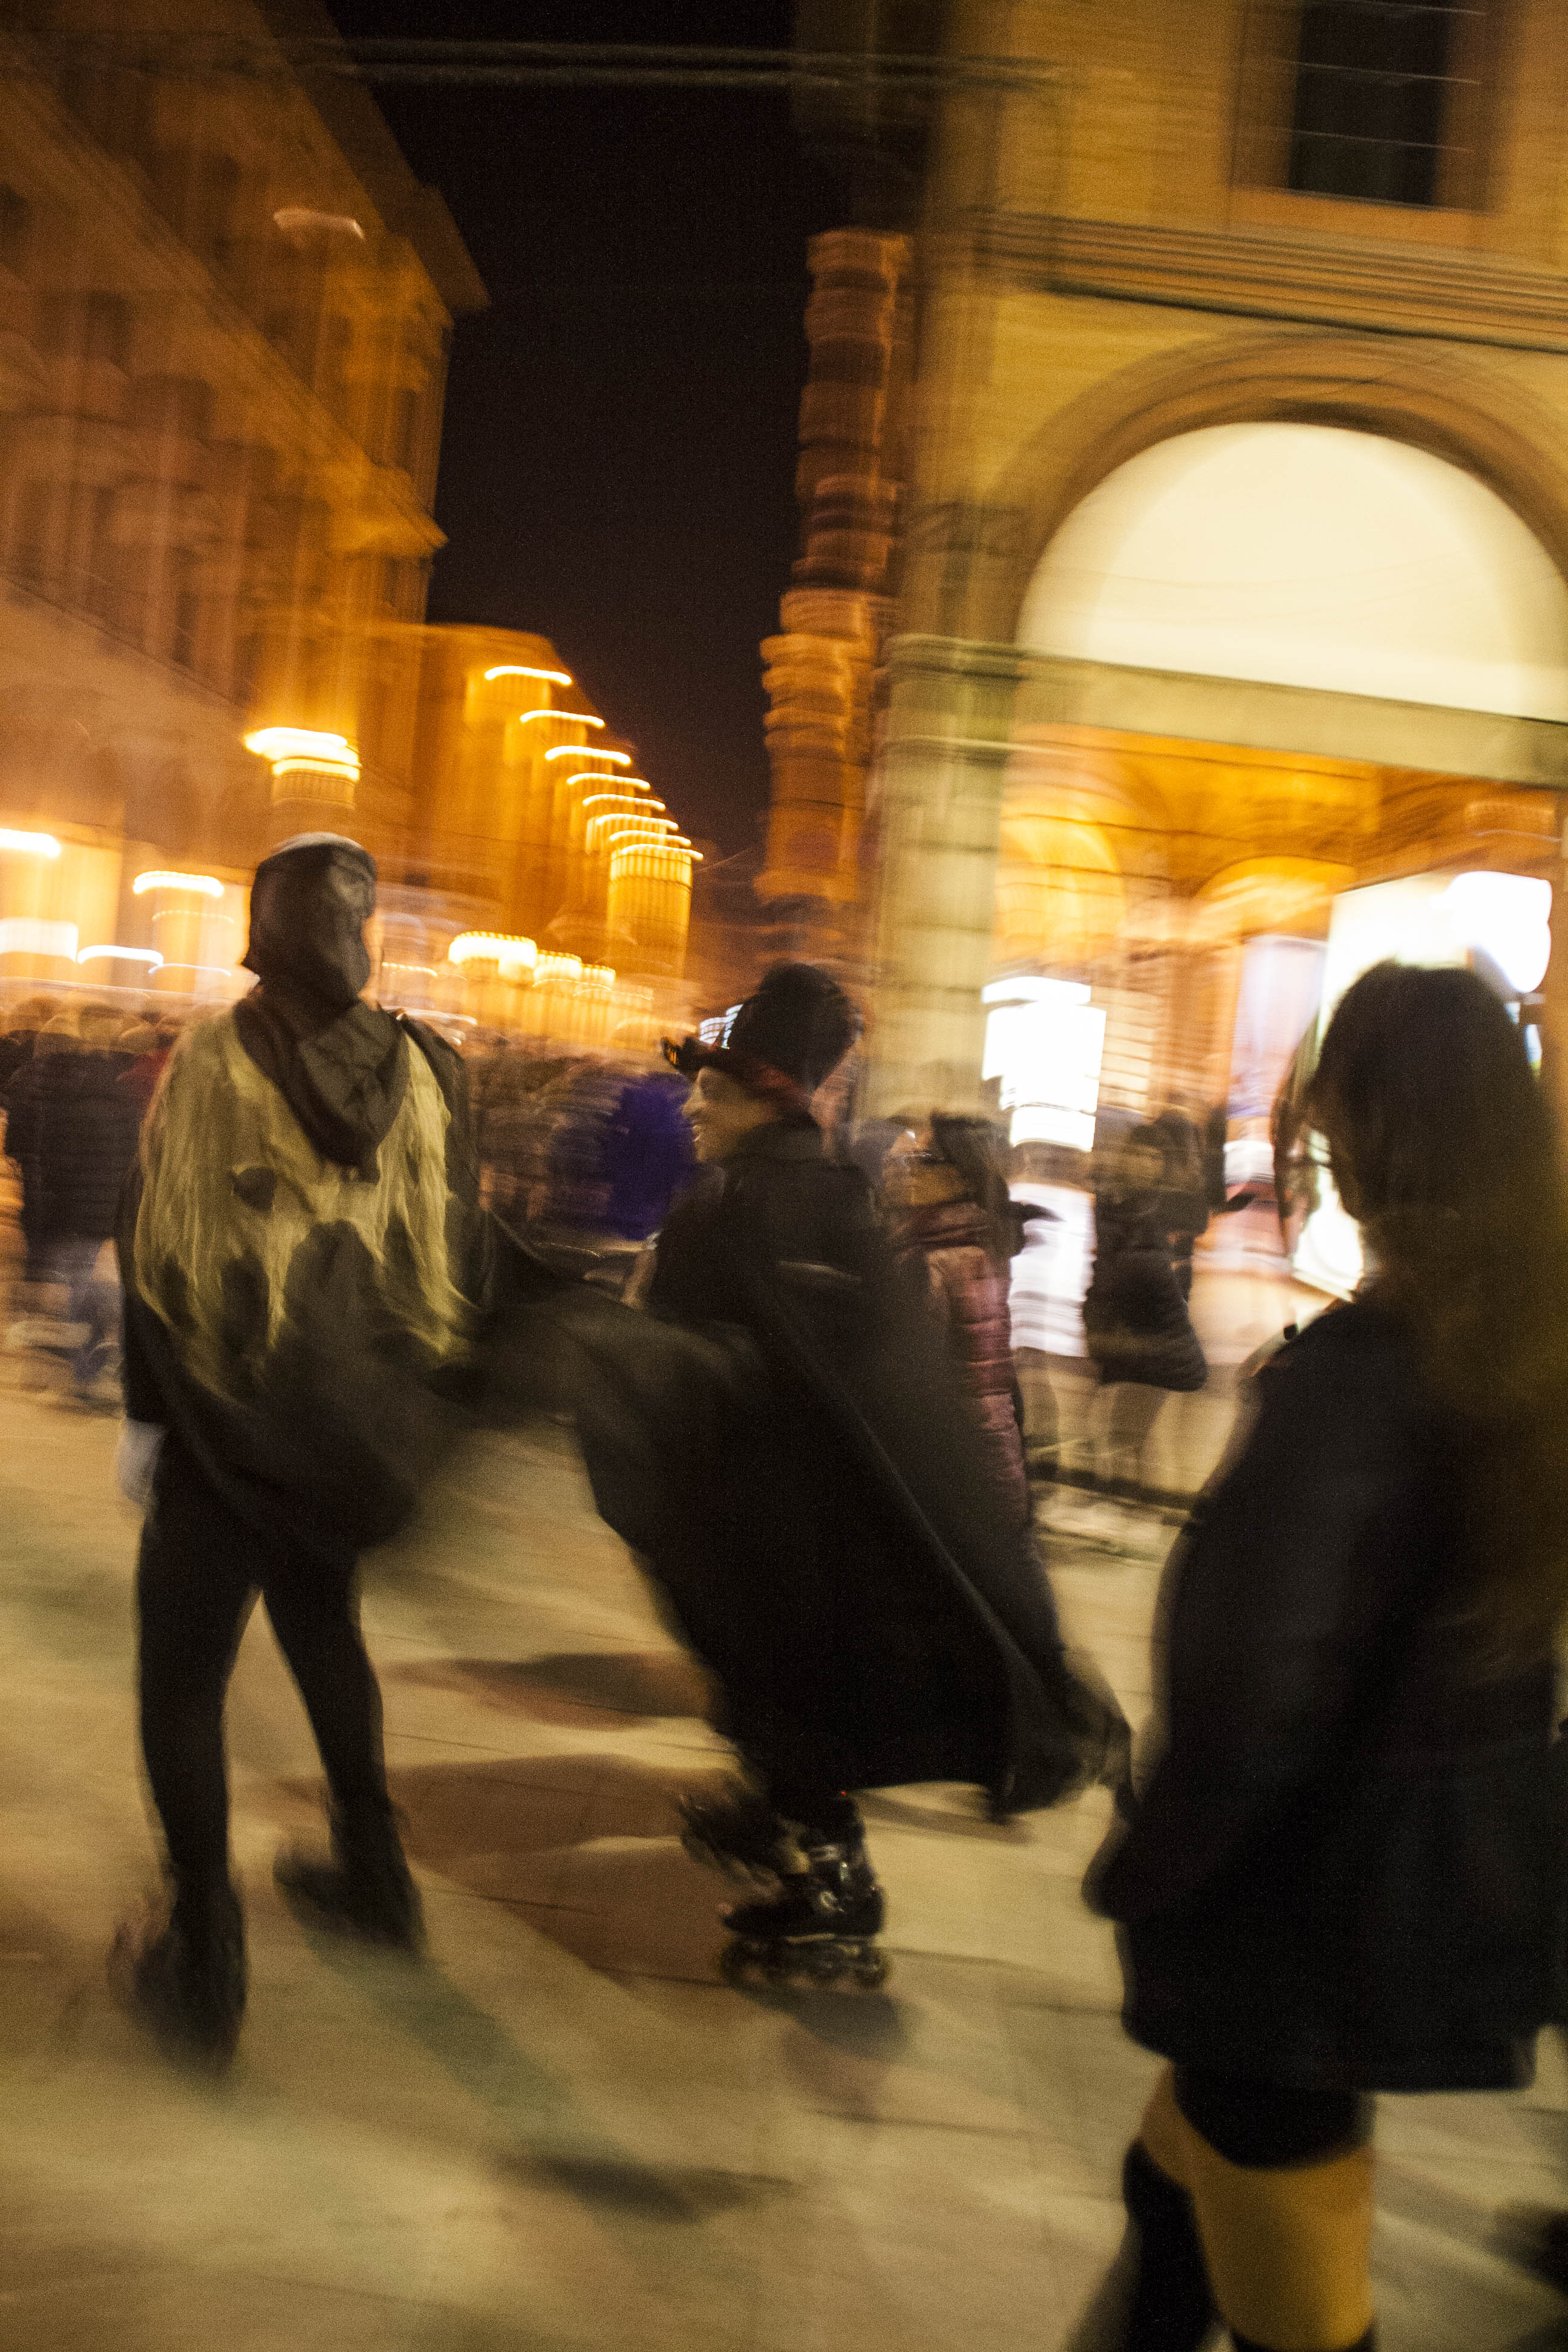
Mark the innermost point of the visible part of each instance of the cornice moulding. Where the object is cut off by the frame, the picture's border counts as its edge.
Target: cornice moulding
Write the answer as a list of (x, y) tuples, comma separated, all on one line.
[(1428, 291)]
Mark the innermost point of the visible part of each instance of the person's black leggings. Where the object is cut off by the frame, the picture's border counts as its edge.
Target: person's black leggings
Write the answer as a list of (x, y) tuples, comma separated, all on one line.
[(200, 1568)]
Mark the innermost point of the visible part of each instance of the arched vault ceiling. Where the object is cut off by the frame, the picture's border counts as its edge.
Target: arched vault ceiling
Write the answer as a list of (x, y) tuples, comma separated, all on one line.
[(1186, 812)]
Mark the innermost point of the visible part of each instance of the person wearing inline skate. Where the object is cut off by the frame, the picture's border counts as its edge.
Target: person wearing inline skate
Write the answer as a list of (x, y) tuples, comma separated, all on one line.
[(786, 1439)]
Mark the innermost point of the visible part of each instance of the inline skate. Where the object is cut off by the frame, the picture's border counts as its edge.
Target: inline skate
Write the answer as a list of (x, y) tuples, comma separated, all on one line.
[(821, 1928)]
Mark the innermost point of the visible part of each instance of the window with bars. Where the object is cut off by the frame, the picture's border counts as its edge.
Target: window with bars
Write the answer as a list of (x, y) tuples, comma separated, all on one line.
[(1371, 101)]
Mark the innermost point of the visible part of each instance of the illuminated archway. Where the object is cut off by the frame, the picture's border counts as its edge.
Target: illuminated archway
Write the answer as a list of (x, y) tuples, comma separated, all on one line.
[(1308, 555)]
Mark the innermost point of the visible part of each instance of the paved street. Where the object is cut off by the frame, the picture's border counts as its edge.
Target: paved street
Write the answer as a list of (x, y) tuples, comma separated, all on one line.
[(563, 2130)]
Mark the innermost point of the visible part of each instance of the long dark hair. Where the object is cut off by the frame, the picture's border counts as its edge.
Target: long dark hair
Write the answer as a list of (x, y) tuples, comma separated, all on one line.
[(970, 1146), (1449, 1160)]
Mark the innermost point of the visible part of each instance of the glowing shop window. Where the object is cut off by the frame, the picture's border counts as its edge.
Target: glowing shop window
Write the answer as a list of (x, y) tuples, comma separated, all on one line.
[(1509, 917), (1046, 1047)]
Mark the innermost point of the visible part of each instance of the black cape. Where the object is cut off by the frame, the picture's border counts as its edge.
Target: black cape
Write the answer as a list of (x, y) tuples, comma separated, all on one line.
[(786, 1440)]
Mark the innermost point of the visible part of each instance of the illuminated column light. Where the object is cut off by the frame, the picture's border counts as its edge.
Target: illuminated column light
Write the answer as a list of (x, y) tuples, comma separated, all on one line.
[(614, 824), (619, 800), (521, 669), (572, 718), (511, 953), (651, 894), (584, 751), (204, 885), (149, 956), (330, 759), (28, 845)]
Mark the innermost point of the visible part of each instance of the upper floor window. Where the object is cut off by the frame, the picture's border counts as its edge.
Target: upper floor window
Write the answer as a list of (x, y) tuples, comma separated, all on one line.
[(1374, 99), (1371, 101)]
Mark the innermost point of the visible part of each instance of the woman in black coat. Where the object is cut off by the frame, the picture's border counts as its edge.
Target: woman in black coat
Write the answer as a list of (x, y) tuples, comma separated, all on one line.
[(1342, 1873), (1136, 1325)]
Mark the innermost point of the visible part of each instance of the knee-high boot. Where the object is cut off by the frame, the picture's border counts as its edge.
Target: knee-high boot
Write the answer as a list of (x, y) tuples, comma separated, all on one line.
[(1157, 2297)]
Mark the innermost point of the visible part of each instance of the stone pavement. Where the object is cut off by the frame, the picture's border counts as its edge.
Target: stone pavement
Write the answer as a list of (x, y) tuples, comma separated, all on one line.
[(565, 2131)]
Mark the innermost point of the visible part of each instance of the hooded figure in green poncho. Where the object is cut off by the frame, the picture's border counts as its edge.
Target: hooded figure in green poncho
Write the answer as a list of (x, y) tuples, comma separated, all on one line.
[(303, 1258)]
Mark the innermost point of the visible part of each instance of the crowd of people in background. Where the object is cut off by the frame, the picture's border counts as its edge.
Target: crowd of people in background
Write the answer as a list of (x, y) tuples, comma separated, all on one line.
[(589, 1150), (76, 1080)]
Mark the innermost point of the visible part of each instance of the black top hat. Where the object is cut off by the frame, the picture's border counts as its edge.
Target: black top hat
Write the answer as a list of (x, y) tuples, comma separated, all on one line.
[(785, 1038)]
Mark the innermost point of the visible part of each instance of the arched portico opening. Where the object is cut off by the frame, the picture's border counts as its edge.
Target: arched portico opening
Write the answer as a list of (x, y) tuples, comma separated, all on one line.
[(1313, 668), (971, 701), (1432, 398)]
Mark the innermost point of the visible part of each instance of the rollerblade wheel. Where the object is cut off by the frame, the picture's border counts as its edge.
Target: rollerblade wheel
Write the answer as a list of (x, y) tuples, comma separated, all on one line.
[(872, 1970)]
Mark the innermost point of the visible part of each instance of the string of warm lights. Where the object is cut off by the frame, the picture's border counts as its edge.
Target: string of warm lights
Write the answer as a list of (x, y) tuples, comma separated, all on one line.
[(521, 669), (587, 751), (28, 845)]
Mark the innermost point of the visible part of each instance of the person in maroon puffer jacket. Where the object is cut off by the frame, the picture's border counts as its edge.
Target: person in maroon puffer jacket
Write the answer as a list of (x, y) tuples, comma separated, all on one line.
[(954, 1222)]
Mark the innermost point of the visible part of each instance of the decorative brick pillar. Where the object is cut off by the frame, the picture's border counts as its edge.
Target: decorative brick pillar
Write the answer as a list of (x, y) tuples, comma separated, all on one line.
[(820, 668)]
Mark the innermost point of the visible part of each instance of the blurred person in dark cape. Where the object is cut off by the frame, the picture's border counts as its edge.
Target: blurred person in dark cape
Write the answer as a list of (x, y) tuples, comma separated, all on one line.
[(785, 1438), (304, 1264)]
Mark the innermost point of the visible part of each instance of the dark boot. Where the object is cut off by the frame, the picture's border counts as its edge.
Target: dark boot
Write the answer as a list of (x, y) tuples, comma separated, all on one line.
[(186, 1979), (365, 1889), (1157, 2297)]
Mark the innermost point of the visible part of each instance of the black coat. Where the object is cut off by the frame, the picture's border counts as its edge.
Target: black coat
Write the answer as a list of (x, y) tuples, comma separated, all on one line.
[(1346, 1867), (72, 1128), (784, 1439), (1135, 1317)]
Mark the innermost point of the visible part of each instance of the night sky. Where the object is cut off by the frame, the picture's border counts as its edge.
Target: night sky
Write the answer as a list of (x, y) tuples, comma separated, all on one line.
[(618, 455)]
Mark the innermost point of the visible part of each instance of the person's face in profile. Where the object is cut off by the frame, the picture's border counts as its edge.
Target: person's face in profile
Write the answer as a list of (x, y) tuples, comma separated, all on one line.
[(720, 1113)]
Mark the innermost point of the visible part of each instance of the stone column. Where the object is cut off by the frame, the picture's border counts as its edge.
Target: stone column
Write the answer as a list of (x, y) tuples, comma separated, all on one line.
[(820, 667), (948, 742)]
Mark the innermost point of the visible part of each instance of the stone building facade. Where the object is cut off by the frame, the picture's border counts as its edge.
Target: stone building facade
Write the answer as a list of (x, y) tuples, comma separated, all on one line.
[(225, 307), (1139, 223)]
